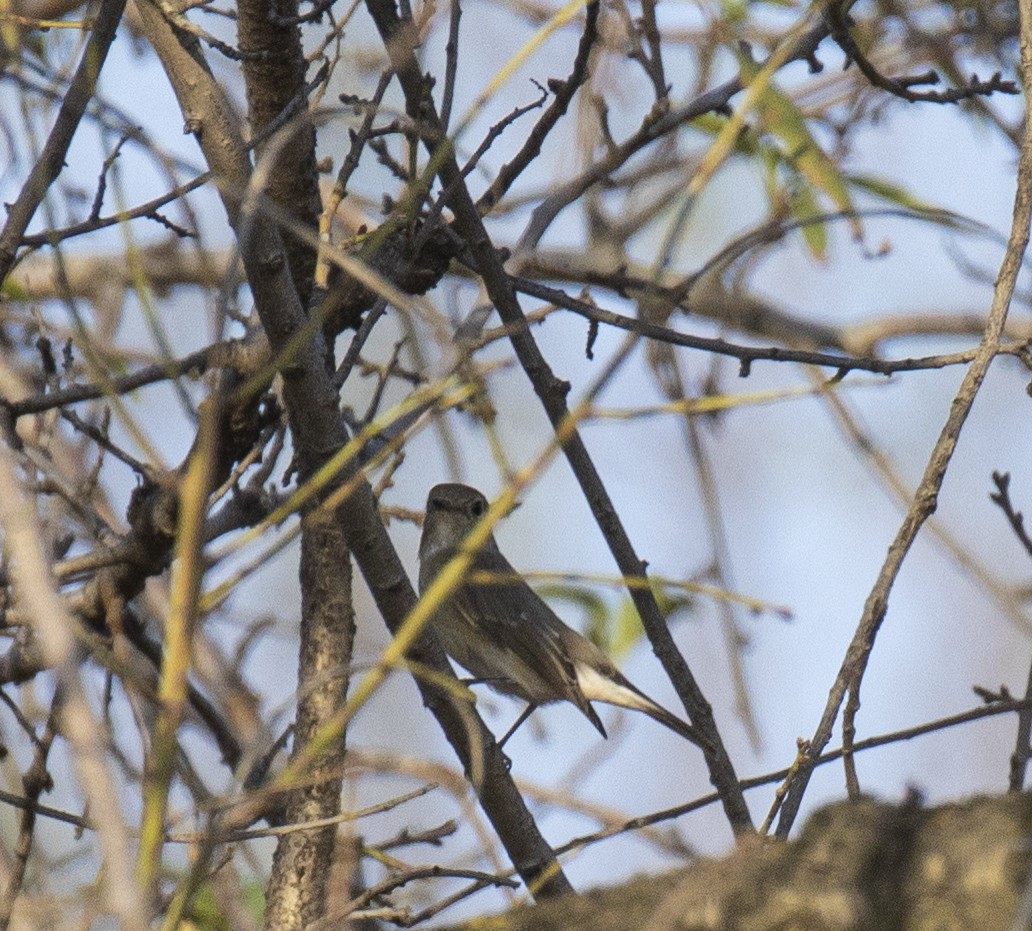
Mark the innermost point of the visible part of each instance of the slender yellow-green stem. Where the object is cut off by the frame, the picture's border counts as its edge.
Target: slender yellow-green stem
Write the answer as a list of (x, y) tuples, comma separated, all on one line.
[(187, 572), (711, 404), (727, 137), (449, 579), (450, 388), (715, 592)]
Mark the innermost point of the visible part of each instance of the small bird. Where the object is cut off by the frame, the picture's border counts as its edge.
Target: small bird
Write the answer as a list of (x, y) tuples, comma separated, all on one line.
[(505, 634)]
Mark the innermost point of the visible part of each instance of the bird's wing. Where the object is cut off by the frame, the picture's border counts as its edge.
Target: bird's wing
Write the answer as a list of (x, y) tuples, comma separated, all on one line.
[(521, 623)]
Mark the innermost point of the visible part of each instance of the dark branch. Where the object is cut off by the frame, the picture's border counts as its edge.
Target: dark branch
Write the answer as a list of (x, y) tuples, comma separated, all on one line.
[(52, 159), (552, 393), (901, 87)]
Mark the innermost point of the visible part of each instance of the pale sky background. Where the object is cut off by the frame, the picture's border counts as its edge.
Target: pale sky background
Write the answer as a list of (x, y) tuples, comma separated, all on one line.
[(808, 524)]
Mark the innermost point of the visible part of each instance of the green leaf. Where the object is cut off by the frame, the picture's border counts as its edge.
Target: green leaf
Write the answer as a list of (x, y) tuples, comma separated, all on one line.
[(889, 191), (712, 124), (780, 117), (627, 629), (899, 196), (616, 633), (805, 207), (13, 291), (593, 605), (206, 915)]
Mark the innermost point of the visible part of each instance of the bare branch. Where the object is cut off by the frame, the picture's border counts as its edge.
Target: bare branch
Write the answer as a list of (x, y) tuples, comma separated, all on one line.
[(51, 161), (851, 673), (34, 588), (552, 393)]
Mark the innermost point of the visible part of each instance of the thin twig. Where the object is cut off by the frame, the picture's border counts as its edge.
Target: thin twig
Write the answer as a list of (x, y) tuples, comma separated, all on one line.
[(552, 393), (772, 778), (451, 67), (746, 355), (900, 87), (398, 880), (1001, 498), (52, 158), (564, 92), (34, 588), (35, 781), (1023, 743), (854, 664), (196, 362), (280, 830)]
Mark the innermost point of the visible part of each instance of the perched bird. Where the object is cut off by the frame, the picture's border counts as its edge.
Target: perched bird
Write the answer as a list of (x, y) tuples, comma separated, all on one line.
[(505, 634)]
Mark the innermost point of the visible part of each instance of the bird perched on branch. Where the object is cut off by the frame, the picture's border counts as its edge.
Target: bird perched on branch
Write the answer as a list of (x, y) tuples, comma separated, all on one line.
[(507, 636)]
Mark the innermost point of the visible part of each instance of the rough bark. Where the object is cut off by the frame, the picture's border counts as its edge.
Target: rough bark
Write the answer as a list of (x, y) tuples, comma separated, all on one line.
[(318, 433), (274, 76), (297, 889), (552, 393), (857, 866)]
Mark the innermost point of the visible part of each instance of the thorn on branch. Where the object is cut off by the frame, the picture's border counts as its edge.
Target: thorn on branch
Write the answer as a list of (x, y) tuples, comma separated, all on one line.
[(990, 697), (589, 349), (931, 76), (46, 354), (181, 231)]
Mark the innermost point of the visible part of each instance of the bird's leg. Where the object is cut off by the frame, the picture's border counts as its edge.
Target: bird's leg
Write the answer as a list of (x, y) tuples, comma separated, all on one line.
[(527, 712)]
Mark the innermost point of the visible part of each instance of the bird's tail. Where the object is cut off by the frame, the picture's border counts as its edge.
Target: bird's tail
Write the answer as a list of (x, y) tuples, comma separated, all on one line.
[(659, 713), (612, 688)]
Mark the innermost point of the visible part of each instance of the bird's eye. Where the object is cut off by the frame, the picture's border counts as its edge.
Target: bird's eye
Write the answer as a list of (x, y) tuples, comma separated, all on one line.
[(478, 507), (434, 504)]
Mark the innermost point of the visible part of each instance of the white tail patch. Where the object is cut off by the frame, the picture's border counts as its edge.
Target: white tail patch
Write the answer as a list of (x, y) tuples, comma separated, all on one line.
[(596, 687)]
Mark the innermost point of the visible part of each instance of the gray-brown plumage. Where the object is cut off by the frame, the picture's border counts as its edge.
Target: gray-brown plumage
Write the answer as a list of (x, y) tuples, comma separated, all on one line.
[(506, 635)]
